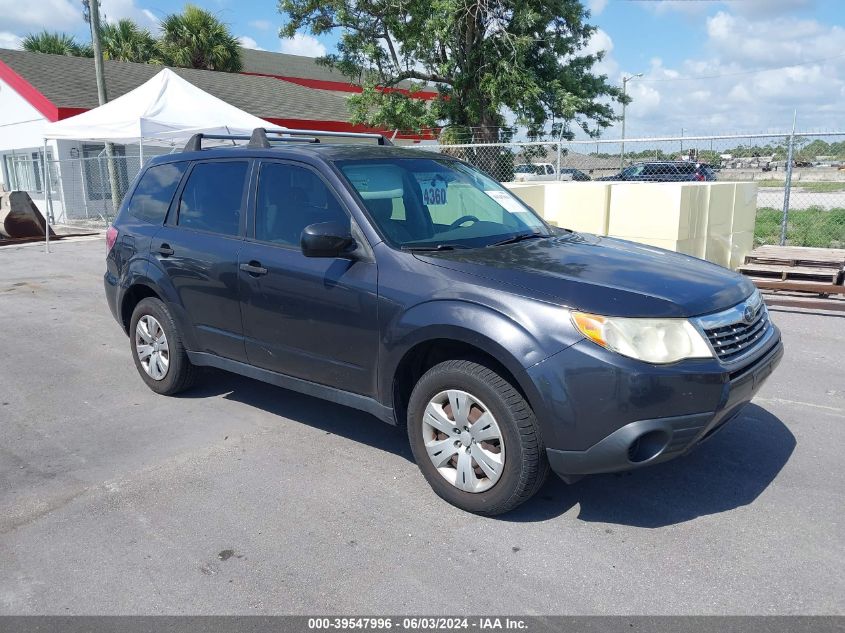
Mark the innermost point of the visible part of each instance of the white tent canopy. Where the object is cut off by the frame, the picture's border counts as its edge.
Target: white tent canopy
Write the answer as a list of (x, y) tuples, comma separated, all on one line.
[(166, 107)]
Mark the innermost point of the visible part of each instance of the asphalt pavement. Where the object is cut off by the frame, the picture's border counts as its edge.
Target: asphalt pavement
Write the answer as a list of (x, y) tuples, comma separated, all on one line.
[(243, 498)]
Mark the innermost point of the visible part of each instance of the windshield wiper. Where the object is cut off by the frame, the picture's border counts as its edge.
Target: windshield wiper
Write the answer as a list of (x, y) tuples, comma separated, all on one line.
[(433, 247), (513, 239)]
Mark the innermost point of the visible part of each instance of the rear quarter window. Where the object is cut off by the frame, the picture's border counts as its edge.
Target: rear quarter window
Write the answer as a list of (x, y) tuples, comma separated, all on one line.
[(154, 192)]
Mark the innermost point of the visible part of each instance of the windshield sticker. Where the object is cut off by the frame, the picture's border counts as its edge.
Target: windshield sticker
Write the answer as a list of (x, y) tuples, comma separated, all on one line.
[(434, 190), (507, 201)]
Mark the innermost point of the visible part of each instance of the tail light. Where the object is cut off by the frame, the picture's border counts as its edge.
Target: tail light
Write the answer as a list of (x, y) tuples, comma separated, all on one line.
[(699, 176), (111, 237)]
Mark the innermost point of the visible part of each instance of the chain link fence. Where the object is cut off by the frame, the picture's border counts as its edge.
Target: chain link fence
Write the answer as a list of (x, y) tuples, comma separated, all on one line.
[(801, 206), (86, 191)]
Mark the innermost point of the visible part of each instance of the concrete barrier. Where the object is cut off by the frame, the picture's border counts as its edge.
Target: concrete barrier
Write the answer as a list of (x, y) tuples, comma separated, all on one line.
[(712, 220)]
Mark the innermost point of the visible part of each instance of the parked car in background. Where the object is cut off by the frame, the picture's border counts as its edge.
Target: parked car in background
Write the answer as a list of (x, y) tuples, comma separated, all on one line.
[(570, 173), (665, 171), (527, 172), (414, 287)]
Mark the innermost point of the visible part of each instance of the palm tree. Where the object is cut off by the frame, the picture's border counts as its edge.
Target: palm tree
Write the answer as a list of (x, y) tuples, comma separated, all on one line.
[(56, 43), (125, 41), (195, 38)]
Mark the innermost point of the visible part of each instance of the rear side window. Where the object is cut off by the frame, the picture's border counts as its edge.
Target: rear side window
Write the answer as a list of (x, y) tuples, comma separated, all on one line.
[(211, 199), (154, 192)]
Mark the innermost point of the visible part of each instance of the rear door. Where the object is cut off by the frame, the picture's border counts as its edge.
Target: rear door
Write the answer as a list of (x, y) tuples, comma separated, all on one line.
[(311, 318), (198, 251)]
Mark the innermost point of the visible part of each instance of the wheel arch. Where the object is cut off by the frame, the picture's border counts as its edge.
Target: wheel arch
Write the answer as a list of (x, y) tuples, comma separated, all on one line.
[(452, 343), (133, 295)]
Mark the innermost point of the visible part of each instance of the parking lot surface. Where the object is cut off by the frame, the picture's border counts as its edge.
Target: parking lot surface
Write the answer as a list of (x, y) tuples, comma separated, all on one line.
[(240, 497)]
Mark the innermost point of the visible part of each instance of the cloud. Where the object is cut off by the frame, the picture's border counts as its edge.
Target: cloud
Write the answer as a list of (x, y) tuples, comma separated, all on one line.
[(767, 8), (115, 10), (599, 42), (678, 6), (596, 6), (9, 40), (750, 75), (53, 15), (301, 44), (248, 42), (766, 43), (261, 25)]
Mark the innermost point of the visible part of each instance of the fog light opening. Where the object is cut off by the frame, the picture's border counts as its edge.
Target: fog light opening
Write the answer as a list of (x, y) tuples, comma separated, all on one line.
[(647, 446)]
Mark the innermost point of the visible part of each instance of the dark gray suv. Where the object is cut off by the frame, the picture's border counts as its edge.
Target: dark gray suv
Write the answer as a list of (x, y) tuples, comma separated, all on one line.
[(411, 285)]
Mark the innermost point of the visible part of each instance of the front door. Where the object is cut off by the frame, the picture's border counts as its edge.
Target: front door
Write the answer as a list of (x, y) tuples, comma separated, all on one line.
[(311, 318), (198, 250)]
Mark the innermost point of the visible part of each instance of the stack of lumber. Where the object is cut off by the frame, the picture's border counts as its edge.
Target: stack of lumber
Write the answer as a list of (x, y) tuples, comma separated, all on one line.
[(797, 268)]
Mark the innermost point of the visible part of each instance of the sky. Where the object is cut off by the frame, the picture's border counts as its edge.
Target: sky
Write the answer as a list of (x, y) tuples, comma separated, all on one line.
[(709, 66)]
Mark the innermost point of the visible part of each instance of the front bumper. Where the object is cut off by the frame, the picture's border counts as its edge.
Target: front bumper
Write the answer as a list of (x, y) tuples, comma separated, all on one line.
[(606, 423)]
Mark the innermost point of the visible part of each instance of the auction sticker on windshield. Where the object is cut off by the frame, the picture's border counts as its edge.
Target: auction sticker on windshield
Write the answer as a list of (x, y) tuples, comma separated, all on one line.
[(507, 201), (434, 190)]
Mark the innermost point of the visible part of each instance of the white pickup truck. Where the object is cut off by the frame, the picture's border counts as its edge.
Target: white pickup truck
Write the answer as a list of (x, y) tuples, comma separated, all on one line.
[(525, 172)]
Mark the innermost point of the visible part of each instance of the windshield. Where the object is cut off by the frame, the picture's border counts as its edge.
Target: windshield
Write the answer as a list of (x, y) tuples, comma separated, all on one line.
[(439, 203)]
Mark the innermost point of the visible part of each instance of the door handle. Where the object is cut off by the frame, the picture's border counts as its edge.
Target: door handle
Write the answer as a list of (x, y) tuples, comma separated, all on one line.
[(254, 268), (165, 250)]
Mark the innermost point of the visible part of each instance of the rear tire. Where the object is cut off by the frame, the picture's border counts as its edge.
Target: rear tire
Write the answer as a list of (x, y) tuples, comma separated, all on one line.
[(157, 349), (492, 458)]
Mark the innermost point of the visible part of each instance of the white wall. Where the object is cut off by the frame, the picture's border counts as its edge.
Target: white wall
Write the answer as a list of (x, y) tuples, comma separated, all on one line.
[(21, 124)]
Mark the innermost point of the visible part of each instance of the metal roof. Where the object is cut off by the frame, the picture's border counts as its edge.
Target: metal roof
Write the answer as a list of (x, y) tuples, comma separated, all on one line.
[(69, 82)]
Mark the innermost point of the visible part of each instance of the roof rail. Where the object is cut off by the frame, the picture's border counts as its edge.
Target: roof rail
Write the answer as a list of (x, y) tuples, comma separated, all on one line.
[(259, 136), (195, 142)]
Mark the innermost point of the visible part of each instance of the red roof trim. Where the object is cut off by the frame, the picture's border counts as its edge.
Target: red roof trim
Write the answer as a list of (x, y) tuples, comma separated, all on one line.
[(341, 86), (29, 92), (66, 113)]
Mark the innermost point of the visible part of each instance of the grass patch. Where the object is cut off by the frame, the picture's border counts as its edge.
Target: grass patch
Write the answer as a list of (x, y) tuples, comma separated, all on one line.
[(808, 227), (810, 186)]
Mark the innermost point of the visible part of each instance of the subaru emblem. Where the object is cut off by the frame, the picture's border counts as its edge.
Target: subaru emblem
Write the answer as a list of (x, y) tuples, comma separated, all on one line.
[(748, 314)]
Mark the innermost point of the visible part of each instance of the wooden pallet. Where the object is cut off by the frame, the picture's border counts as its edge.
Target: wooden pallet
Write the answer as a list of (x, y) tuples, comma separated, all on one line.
[(779, 271), (798, 256), (796, 268)]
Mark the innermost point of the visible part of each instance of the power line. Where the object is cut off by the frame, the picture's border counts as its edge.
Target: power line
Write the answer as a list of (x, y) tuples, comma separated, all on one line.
[(743, 72)]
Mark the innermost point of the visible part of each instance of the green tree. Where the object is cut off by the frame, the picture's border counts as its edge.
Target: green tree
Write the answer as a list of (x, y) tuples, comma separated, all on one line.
[(56, 43), (195, 38), (127, 42), (482, 57)]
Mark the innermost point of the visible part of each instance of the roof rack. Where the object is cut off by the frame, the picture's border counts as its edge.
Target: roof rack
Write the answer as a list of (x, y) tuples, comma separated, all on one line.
[(194, 144), (260, 138)]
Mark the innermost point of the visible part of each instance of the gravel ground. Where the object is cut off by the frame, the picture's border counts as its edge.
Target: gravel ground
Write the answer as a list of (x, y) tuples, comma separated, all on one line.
[(240, 497)]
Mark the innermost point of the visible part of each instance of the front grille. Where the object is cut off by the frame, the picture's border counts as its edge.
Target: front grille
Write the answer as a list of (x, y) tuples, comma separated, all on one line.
[(733, 340)]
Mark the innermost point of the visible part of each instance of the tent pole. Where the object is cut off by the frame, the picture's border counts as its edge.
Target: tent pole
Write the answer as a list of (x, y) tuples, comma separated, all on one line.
[(45, 177), (140, 153)]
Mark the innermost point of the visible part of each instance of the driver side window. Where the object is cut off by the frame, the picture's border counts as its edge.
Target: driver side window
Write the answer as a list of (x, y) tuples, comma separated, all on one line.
[(290, 198)]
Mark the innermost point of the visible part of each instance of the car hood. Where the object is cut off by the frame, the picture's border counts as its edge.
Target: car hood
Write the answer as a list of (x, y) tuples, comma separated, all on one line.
[(603, 275)]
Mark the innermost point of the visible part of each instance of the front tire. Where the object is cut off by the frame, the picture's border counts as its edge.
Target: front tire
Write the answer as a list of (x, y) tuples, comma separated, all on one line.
[(475, 438), (157, 349)]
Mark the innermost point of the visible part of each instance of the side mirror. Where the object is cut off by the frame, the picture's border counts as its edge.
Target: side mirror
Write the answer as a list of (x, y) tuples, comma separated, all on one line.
[(327, 239)]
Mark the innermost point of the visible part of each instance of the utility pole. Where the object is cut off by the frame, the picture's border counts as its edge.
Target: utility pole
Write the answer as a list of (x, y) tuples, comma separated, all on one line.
[(682, 141), (625, 81), (93, 7), (787, 185)]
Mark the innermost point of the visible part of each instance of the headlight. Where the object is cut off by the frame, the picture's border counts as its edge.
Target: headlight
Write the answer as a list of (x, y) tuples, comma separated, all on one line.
[(649, 340)]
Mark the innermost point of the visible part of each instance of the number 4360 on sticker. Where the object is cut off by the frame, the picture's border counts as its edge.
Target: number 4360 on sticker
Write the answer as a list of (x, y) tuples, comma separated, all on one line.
[(434, 193)]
